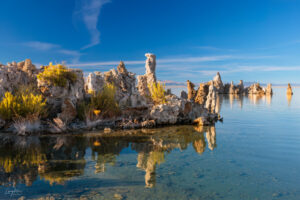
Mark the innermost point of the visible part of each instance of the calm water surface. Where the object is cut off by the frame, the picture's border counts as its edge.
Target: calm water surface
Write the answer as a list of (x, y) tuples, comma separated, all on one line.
[(253, 154)]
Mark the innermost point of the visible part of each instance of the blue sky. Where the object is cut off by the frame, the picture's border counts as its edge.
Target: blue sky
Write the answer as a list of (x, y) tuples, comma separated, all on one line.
[(253, 40)]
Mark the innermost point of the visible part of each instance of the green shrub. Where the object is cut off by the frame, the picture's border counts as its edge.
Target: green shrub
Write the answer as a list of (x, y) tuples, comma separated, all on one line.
[(102, 104), (157, 92), (58, 75), (105, 101), (22, 105)]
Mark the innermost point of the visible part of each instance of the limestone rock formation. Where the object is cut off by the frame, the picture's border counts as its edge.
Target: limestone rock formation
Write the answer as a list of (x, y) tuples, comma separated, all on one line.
[(94, 82), (289, 90), (150, 68), (256, 89), (239, 89), (191, 90), (202, 93), (149, 78), (15, 74), (231, 88), (178, 111), (126, 95), (269, 90), (56, 95), (69, 111), (218, 84), (183, 95), (211, 99)]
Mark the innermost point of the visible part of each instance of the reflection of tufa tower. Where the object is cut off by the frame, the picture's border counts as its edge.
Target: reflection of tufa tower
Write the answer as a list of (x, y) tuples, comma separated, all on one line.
[(148, 162)]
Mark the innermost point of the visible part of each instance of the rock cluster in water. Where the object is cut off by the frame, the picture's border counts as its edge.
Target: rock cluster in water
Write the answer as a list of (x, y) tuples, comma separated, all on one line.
[(289, 90), (137, 107)]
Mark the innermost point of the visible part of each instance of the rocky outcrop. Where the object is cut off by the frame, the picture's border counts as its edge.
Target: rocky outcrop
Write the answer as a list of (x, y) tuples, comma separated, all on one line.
[(127, 94), (183, 95), (239, 89), (256, 89), (179, 111), (218, 84), (56, 95), (211, 99), (149, 78), (69, 111), (269, 90), (137, 108), (202, 93), (15, 74), (289, 90), (191, 90)]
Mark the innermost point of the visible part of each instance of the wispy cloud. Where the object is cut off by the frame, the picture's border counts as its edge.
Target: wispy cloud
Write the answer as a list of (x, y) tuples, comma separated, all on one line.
[(88, 11), (45, 46), (159, 61)]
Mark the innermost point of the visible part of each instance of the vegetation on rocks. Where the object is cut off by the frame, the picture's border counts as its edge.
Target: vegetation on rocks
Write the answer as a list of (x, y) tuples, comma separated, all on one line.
[(23, 105), (58, 75), (157, 92), (102, 103)]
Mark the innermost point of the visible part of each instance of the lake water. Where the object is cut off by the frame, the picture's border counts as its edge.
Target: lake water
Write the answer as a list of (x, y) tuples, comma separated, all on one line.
[(253, 154)]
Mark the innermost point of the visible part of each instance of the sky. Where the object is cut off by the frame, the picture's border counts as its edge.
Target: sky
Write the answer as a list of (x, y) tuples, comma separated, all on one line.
[(252, 40)]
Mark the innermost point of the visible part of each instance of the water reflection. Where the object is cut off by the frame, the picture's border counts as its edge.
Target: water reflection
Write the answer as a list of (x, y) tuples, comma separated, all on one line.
[(58, 159), (289, 99)]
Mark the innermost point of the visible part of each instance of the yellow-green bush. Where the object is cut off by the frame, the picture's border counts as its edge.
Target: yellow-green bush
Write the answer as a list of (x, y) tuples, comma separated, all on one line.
[(105, 101), (21, 105), (58, 75), (157, 91)]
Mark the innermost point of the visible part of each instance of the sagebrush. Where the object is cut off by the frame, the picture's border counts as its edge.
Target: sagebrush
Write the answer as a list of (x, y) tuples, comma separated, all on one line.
[(58, 75), (23, 105), (157, 92)]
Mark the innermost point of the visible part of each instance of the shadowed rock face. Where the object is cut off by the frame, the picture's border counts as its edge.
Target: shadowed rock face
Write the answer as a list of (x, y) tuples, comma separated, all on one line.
[(289, 90), (191, 90)]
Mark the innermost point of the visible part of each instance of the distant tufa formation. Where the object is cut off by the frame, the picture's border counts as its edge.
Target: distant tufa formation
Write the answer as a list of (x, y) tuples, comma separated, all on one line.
[(206, 91), (289, 90), (137, 107)]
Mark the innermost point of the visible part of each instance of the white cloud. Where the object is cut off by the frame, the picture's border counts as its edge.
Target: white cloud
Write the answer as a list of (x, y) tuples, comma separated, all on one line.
[(43, 46), (159, 61), (88, 11)]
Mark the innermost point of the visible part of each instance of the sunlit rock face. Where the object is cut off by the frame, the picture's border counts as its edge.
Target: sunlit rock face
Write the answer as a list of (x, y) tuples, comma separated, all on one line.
[(289, 90), (269, 90), (202, 93), (125, 82), (256, 89), (15, 74), (149, 78), (211, 99), (55, 95), (218, 84)]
